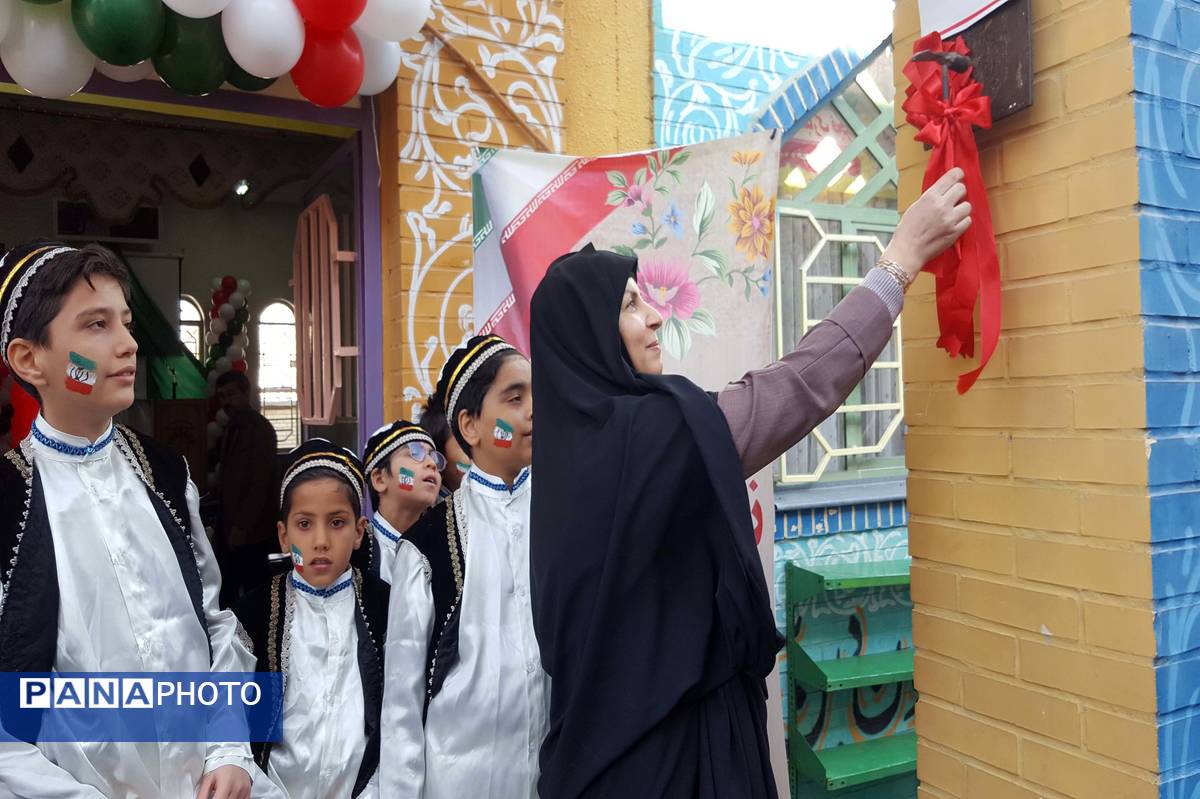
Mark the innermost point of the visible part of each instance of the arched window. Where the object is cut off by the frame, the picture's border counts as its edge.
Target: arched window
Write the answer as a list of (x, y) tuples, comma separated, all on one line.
[(191, 326), (277, 371)]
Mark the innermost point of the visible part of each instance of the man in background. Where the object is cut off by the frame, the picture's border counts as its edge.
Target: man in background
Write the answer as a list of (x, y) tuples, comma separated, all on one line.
[(247, 491)]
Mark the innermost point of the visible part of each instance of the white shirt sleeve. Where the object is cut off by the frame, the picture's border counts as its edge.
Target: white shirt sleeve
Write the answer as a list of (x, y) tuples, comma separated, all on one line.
[(410, 626), (26, 773), (229, 652)]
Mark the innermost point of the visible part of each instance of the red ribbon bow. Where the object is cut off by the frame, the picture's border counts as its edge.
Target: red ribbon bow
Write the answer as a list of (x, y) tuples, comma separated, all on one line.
[(970, 269)]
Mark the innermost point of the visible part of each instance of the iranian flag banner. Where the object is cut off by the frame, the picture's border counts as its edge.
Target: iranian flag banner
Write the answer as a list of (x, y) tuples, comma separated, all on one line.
[(701, 221)]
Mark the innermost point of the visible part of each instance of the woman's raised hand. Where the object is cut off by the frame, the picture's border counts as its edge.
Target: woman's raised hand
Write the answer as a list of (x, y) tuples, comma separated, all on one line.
[(931, 224)]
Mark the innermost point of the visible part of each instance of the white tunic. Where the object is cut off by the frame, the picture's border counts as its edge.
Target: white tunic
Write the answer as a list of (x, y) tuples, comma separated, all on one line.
[(485, 727), (123, 607), (323, 734), (387, 540)]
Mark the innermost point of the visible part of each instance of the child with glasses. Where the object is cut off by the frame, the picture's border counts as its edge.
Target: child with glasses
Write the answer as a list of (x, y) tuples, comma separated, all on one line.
[(404, 478)]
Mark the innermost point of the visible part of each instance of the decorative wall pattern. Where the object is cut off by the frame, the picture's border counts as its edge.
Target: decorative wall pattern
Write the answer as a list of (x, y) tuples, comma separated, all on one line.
[(706, 89), (1166, 54), (483, 73)]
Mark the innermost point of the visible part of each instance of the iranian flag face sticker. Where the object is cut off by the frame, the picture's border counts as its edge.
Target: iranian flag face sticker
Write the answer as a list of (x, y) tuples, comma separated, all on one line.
[(81, 374), (408, 480), (503, 434), (297, 559)]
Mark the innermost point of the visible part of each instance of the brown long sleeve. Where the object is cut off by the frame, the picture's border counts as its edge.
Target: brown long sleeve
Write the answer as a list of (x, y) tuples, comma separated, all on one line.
[(769, 410)]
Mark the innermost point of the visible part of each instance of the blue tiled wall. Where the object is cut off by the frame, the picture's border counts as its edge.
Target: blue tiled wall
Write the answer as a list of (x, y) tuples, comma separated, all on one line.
[(1166, 59)]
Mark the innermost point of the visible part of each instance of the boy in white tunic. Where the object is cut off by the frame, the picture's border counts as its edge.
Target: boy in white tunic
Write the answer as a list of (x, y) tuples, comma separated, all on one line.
[(321, 626), (403, 468), (104, 564), (461, 649)]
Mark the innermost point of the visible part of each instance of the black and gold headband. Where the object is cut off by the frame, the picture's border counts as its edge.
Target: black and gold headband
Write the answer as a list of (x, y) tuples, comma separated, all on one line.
[(17, 269), (317, 453), (463, 364), (387, 439)]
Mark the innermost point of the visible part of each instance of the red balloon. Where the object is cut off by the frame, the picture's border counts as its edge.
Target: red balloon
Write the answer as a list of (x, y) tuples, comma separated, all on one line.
[(330, 69), (334, 16), (219, 298), (239, 366), (214, 312), (228, 284)]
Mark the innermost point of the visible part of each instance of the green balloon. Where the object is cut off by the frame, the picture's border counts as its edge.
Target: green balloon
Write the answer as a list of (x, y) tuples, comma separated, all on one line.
[(243, 80), (121, 32), (235, 326), (242, 315), (193, 59)]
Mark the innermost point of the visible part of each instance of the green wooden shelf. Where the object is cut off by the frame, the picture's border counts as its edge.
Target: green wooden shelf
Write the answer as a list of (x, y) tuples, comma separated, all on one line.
[(841, 674), (806, 582), (855, 764)]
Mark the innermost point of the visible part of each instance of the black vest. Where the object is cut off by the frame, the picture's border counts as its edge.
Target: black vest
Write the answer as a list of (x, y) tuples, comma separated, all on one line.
[(266, 615), (28, 565), (438, 537)]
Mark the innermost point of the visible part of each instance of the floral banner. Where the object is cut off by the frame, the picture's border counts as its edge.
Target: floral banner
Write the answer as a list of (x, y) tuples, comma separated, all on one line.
[(701, 221)]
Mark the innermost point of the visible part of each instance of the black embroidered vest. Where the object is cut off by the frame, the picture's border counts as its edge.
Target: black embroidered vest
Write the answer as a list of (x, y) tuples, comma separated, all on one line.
[(439, 538), (266, 614), (28, 560)]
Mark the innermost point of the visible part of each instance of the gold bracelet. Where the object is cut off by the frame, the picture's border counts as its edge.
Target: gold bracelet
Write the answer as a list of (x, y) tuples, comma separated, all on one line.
[(894, 269)]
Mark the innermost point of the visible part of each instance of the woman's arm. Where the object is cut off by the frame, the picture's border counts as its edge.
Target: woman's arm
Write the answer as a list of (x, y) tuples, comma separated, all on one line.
[(770, 409)]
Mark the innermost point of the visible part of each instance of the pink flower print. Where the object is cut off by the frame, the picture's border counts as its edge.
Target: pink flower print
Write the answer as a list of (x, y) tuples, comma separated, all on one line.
[(665, 284), (635, 193)]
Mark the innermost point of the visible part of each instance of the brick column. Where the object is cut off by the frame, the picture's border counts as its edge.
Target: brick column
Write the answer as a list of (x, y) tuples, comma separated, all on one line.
[(1034, 577)]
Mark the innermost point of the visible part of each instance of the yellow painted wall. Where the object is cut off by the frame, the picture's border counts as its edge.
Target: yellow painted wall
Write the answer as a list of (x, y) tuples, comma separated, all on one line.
[(607, 70), (541, 74), (1029, 530)]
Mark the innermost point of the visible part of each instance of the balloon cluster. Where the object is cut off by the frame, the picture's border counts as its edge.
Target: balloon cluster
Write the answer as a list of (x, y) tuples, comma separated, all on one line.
[(227, 338), (333, 49)]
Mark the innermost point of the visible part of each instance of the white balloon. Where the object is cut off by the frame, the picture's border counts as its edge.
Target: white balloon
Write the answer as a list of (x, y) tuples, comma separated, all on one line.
[(212, 379), (211, 338), (197, 9), (6, 15), (221, 416), (218, 326), (394, 20), (216, 284), (242, 340), (244, 284), (226, 311), (235, 353), (142, 71), (264, 37), (381, 62), (237, 300), (43, 53), (223, 365), (214, 431)]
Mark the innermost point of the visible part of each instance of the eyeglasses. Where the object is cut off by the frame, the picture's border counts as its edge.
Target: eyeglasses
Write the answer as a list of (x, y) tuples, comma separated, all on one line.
[(419, 451)]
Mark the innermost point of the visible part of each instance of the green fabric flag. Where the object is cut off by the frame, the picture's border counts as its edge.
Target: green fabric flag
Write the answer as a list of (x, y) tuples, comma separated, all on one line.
[(173, 372)]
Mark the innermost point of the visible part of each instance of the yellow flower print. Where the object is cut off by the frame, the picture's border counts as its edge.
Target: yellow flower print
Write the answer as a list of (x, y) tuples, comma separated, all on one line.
[(752, 218), (746, 158)]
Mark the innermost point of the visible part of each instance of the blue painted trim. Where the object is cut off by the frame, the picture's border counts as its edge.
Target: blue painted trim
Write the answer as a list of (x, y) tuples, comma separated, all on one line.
[(808, 90), (834, 520)]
